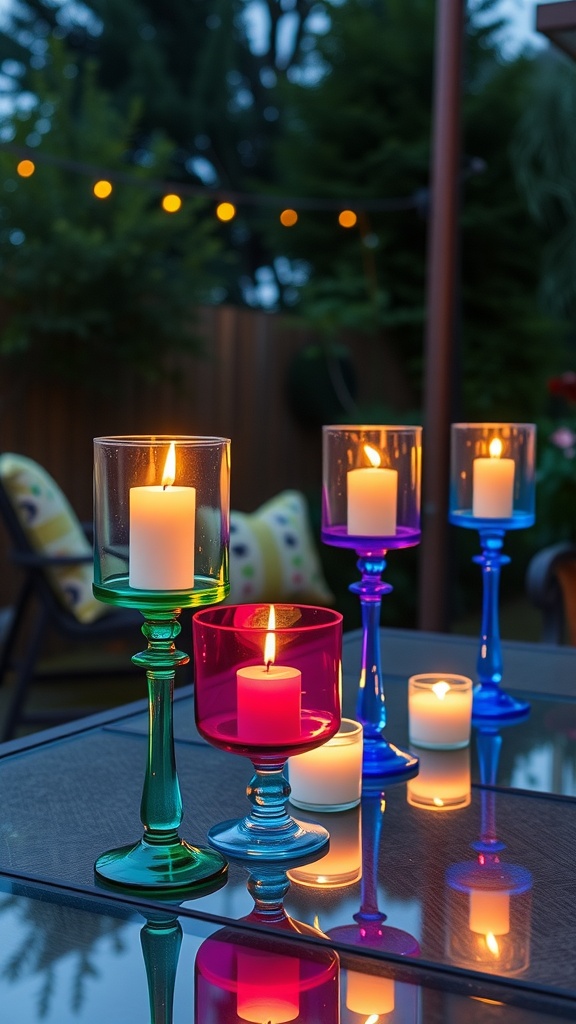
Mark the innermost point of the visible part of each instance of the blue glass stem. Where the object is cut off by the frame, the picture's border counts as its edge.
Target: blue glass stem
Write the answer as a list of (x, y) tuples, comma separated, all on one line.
[(371, 703), (489, 664), (268, 832), (380, 758)]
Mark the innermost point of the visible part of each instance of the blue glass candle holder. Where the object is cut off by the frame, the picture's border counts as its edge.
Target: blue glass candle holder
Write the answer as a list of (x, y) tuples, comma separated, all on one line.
[(161, 523), (492, 490), (266, 687), (371, 503)]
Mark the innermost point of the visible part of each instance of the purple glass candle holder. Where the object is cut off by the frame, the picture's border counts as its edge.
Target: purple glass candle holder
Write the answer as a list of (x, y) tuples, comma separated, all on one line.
[(492, 490), (371, 502), (267, 687)]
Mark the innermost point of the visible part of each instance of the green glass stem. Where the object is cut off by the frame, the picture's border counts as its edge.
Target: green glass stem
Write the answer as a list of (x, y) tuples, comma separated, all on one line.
[(161, 861), (161, 938), (161, 807)]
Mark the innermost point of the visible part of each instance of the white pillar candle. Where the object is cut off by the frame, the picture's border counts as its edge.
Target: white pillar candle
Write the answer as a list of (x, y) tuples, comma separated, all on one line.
[(372, 498), (493, 485), (439, 711), (162, 521), (489, 912), (330, 776)]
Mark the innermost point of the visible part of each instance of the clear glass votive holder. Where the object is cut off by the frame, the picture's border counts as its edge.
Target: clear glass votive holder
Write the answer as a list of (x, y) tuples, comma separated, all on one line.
[(161, 520), (371, 486), (443, 781), (439, 710), (492, 475), (329, 778)]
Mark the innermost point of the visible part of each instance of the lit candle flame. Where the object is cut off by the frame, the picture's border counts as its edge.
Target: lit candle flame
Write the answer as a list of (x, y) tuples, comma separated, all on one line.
[(438, 802), (492, 944), (169, 475), (441, 689), (373, 1018), (317, 922), (373, 455), (495, 448), (270, 642)]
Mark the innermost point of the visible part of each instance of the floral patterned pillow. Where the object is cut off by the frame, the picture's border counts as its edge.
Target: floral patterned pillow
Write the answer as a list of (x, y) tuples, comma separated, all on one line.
[(52, 528), (273, 556)]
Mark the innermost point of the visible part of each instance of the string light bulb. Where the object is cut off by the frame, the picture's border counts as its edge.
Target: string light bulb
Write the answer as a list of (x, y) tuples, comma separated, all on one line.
[(347, 219), (288, 218), (225, 211), (102, 189), (25, 168), (171, 203)]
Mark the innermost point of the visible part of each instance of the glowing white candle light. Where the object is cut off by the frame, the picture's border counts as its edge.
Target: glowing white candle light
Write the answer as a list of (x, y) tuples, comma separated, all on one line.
[(372, 498), (439, 710), (493, 484), (162, 533)]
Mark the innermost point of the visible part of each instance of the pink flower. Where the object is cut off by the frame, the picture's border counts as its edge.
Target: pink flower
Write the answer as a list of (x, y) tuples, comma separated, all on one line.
[(565, 439)]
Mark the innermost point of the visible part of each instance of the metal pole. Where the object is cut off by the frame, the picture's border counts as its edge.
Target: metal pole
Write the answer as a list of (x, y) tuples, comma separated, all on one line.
[(442, 274)]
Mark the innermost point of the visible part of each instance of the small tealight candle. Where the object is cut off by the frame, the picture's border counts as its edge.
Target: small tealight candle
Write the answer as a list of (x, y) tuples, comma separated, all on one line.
[(329, 778), (439, 710)]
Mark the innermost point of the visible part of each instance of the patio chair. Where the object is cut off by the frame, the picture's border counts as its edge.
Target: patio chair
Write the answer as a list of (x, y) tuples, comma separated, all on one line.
[(54, 552), (551, 587)]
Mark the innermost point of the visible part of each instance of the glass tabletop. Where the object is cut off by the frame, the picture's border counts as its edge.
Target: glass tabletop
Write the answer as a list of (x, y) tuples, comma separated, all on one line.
[(68, 961)]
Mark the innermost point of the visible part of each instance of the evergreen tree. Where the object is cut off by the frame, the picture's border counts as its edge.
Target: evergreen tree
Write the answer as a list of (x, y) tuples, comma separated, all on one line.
[(90, 284)]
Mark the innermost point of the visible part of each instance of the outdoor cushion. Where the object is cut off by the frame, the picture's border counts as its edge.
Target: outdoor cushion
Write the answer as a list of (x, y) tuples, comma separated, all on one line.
[(273, 556), (53, 529)]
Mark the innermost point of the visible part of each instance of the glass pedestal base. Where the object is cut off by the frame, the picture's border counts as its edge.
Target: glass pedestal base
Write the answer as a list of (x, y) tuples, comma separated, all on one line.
[(383, 759), (245, 839), (490, 703), (161, 868)]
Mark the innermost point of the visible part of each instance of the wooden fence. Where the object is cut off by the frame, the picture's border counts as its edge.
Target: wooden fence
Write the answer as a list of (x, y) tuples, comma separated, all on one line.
[(238, 389)]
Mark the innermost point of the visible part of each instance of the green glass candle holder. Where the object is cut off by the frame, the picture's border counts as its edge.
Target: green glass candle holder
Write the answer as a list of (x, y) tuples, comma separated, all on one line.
[(161, 519)]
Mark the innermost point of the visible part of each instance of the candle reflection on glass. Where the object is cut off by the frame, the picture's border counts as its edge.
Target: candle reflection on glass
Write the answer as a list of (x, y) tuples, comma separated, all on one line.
[(369, 994), (342, 865), (489, 912), (267, 987), (443, 782)]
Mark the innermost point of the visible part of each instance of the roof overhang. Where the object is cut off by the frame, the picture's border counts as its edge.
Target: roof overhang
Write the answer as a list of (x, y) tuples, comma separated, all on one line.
[(557, 21)]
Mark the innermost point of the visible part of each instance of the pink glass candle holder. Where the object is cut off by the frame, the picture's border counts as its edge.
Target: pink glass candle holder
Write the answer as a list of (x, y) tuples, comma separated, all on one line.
[(266, 687), (247, 978), (371, 502)]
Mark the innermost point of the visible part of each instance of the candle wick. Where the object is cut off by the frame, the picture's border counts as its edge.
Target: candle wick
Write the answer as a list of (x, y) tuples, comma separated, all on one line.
[(268, 663)]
